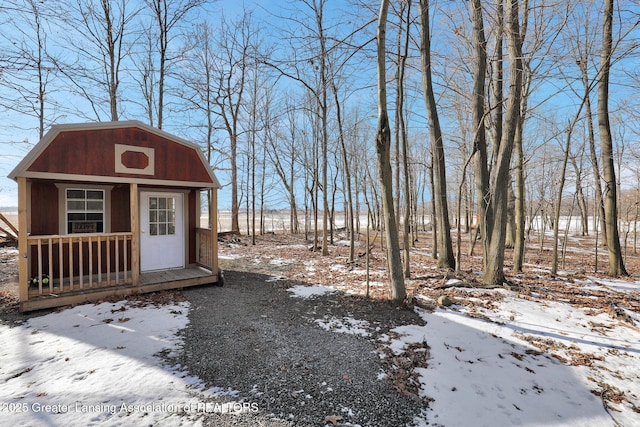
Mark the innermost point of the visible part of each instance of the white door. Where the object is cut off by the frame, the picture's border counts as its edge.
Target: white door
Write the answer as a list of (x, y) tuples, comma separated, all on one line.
[(161, 231)]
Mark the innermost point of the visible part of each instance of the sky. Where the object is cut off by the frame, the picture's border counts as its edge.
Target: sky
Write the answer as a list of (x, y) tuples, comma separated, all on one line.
[(17, 134), (96, 364)]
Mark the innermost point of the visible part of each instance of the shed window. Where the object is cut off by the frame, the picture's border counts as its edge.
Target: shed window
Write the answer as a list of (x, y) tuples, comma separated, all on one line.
[(162, 216), (85, 210)]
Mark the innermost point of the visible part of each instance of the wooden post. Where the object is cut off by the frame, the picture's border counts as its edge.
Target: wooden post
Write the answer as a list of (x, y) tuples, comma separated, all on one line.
[(50, 269), (213, 224), (23, 248), (199, 224), (135, 235), (61, 263)]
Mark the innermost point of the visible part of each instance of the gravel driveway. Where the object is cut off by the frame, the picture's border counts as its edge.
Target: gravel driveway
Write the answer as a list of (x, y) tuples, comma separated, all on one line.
[(253, 337)]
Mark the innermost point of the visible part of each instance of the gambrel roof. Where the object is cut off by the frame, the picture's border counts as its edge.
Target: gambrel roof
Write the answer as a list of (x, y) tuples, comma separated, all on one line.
[(124, 151)]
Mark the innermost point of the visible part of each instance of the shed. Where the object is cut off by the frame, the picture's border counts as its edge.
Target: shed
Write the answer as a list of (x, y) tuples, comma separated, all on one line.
[(111, 209)]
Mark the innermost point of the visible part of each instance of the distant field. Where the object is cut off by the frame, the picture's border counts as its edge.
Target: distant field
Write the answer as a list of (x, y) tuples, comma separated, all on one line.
[(274, 221), (278, 221)]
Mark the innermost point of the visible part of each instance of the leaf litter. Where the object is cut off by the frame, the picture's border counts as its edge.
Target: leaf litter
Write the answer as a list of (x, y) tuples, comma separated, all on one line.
[(542, 350)]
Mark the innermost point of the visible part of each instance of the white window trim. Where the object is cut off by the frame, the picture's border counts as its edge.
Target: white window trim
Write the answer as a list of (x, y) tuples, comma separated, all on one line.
[(62, 203), (166, 222)]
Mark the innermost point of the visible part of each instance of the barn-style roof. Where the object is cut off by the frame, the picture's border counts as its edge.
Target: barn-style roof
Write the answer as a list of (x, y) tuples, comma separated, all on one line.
[(124, 151)]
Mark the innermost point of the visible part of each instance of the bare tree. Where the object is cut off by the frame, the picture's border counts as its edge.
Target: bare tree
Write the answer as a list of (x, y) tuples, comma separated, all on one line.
[(106, 26), (318, 85), (539, 35), (485, 209), (252, 133), (561, 184), (403, 133), (231, 70), (168, 15), (350, 223), (199, 84), (616, 263), (323, 98), (283, 152), (583, 46), (576, 159), (446, 258), (145, 75), (383, 148), (26, 66), (494, 271)]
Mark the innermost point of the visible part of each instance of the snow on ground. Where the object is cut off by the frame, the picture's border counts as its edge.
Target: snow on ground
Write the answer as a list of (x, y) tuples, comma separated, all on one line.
[(523, 361), (302, 291), (612, 285), (346, 325), (97, 365), (530, 362), (513, 360), (498, 380)]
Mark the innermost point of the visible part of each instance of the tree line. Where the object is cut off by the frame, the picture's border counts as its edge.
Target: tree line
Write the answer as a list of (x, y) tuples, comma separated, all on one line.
[(482, 117)]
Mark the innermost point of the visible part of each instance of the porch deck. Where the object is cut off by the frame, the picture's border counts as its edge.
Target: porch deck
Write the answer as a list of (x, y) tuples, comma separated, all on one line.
[(149, 282), (192, 273)]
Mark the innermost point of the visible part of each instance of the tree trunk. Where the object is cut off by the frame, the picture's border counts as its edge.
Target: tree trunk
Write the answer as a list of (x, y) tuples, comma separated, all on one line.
[(494, 269), (349, 223), (325, 130), (434, 218), (235, 208), (383, 146), (510, 237), (519, 244), (597, 178), (616, 263), (520, 196), (582, 202), (406, 236), (563, 174), (479, 135), (446, 258)]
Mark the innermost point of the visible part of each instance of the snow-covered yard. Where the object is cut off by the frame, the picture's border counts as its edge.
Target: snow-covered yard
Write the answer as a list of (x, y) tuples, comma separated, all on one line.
[(561, 352), (96, 365), (532, 363), (552, 352), (525, 362)]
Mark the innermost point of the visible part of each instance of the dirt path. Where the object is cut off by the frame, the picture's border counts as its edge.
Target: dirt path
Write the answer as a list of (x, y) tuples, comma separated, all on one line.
[(252, 336), (256, 343)]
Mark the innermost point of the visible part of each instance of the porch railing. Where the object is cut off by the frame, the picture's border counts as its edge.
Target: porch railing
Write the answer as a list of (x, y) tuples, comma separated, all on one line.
[(63, 263), (204, 252)]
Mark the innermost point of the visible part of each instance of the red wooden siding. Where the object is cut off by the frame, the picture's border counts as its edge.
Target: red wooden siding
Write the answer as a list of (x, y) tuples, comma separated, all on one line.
[(92, 152), (120, 209), (44, 208)]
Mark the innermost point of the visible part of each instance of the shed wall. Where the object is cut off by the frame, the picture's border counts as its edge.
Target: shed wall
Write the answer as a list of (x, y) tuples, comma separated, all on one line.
[(44, 208), (92, 152)]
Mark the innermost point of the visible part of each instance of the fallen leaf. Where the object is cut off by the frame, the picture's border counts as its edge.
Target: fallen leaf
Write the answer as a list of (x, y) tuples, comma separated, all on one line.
[(333, 419)]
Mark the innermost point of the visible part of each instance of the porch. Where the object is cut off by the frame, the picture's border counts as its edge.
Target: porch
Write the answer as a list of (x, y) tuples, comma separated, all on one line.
[(72, 269), (104, 207)]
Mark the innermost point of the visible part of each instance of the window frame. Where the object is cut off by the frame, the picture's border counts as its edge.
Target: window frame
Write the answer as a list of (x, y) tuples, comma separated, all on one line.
[(63, 210), (169, 220)]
